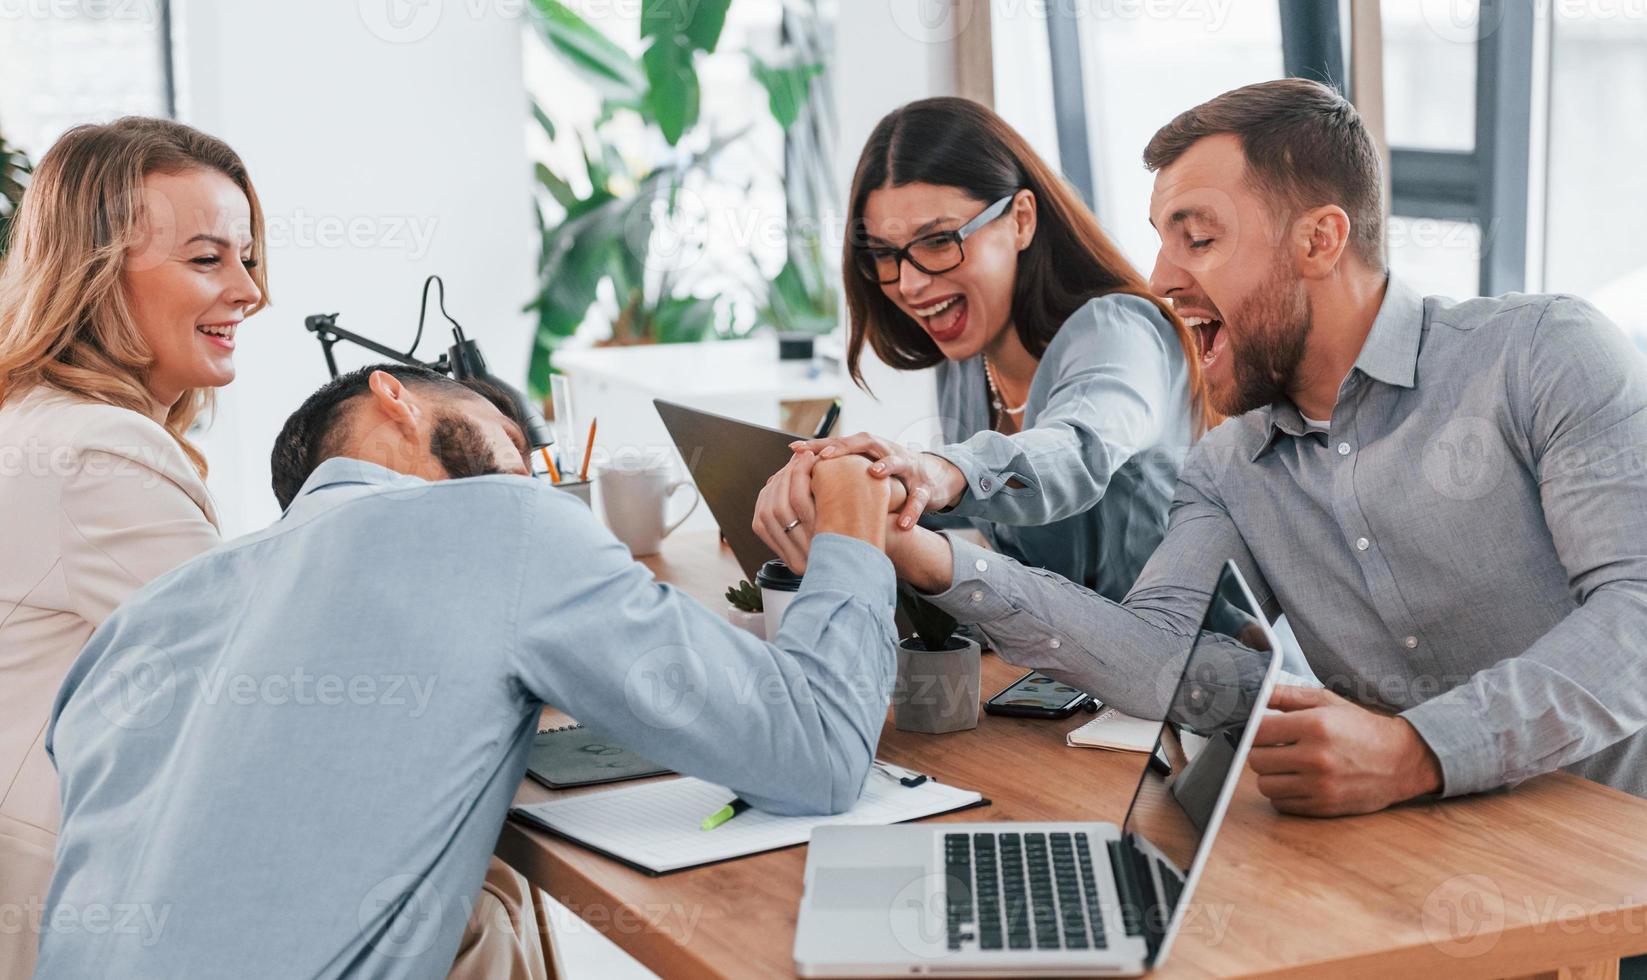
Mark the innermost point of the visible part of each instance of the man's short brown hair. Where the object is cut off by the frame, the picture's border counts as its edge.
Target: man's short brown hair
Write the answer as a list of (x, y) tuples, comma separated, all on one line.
[(1305, 146), (319, 429)]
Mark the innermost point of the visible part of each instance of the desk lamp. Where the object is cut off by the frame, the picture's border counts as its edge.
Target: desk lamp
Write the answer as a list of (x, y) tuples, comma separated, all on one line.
[(463, 360)]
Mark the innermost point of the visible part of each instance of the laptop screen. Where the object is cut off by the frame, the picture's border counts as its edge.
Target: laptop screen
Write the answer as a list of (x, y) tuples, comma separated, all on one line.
[(1208, 711)]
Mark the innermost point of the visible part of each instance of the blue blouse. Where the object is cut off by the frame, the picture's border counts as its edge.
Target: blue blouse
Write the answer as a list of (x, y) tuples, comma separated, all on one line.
[(1105, 430)]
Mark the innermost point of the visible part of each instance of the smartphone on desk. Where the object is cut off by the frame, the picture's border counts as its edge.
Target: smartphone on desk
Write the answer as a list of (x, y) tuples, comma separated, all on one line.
[(1035, 695)]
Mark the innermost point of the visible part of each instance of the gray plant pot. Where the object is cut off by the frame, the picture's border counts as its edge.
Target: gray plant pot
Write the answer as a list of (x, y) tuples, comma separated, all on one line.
[(936, 692)]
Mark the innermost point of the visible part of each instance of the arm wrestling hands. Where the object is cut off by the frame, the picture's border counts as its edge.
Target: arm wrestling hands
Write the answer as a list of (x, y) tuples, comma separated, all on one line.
[(810, 496), (931, 482)]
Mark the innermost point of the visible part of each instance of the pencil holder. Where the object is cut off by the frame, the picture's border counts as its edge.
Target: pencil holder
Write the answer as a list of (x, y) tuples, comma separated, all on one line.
[(578, 489)]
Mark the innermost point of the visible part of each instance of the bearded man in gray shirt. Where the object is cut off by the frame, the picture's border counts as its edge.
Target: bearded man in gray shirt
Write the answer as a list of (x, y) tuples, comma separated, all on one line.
[(1447, 499)]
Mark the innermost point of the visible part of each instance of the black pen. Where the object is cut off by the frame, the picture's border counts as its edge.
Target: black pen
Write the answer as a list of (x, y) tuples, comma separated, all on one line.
[(828, 419)]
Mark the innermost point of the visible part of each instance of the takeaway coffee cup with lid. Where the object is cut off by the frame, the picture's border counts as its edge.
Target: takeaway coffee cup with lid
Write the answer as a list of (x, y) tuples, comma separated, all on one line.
[(778, 586)]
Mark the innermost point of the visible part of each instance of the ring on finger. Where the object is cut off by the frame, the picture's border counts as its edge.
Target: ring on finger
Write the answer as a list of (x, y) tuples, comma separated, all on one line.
[(792, 525)]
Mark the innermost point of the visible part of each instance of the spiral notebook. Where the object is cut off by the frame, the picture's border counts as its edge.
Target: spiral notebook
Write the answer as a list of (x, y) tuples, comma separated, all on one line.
[(655, 827), (1115, 730)]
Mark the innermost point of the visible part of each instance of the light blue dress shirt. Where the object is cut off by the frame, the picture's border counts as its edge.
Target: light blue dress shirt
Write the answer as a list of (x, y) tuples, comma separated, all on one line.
[(291, 756), (1106, 427)]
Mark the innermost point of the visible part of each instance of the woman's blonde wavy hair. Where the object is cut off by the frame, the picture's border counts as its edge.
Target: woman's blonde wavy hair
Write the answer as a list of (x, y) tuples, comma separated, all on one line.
[(64, 316)]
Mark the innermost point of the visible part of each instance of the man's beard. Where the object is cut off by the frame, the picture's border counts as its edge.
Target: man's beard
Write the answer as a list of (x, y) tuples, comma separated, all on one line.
[(1264, 356), (460, 447)]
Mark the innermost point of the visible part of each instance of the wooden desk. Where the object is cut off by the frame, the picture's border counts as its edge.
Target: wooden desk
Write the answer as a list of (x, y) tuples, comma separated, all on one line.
[(1550, 875)]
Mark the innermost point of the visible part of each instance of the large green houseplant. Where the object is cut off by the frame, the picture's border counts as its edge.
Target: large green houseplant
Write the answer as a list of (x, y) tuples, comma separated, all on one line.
[(14, 179), (600, 223)]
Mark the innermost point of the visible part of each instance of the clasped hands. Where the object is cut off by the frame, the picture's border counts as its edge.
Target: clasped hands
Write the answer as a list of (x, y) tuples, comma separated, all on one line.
[(842, 485), (812, 496)]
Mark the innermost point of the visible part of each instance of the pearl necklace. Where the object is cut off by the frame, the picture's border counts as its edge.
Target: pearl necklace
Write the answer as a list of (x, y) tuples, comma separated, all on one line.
[(995, 393)]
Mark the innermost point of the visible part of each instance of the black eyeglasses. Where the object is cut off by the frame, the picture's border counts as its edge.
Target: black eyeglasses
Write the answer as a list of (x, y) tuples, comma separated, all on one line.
[(933, 254)]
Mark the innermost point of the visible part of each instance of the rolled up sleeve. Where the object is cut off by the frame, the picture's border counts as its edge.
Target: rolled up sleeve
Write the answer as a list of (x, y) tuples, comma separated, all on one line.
[(1111, 396)]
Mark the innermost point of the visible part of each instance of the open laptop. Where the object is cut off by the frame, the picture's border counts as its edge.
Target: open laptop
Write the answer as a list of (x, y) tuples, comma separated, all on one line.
[(730, 461), (1053, 899)]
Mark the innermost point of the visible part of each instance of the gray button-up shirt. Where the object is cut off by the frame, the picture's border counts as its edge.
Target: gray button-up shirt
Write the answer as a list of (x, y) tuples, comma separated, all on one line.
[(1466, 545), (1106, 426)]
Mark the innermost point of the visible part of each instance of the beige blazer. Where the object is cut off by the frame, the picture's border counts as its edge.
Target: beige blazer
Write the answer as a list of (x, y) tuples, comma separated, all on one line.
[(95, 501)]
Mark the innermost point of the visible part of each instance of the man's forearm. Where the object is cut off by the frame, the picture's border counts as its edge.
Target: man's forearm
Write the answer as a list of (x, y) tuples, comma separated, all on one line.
[(790, 725), (1035, 618), (838, 631), (921, 558), (1567, 697)]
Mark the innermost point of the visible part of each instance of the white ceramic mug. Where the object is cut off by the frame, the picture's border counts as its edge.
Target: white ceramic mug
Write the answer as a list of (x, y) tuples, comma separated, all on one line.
[(635, 499)]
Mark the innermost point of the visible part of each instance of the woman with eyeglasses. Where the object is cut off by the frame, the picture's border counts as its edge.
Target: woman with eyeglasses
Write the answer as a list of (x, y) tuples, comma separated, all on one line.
[(1067, 394)]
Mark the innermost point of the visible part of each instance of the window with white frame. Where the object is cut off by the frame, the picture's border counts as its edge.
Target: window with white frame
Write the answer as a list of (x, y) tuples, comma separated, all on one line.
[(1596, 191), (740, 215), (1118, 73), (62, 64)]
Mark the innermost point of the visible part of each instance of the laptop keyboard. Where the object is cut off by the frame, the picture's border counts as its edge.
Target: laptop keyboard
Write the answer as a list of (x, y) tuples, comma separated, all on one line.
[(1022, 891), (1172, 885)]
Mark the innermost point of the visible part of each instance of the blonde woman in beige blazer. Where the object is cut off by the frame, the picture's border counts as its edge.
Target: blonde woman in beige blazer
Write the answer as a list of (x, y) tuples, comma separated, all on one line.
[(135, 255), (133, 259), (94, 502)]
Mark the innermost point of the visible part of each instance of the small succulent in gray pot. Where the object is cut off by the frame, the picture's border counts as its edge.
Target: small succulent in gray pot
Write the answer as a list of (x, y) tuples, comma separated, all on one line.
[(938, 671), (744, 609)]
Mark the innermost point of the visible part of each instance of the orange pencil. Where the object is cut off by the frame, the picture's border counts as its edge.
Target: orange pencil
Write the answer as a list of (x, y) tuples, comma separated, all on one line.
[(554, 474), (583, 471)]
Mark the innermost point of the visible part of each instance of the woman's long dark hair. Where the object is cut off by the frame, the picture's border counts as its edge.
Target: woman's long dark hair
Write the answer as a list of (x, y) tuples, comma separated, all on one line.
[(952, 142)]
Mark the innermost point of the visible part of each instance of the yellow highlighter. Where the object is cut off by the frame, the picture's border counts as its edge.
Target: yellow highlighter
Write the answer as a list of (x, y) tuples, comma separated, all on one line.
[(724, 814)]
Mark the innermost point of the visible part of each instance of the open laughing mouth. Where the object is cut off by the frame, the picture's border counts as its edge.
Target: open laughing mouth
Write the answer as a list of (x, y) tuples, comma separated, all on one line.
[(945, 319), (1213, 339), (221, 334)]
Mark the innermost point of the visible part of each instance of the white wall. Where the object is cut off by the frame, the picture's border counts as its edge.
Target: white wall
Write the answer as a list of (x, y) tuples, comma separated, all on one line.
[(383, 151), (1023, 75), (887, 54)]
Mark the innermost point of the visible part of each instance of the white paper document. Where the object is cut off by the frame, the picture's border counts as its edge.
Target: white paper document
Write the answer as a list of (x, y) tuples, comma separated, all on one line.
[(656, 825)]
